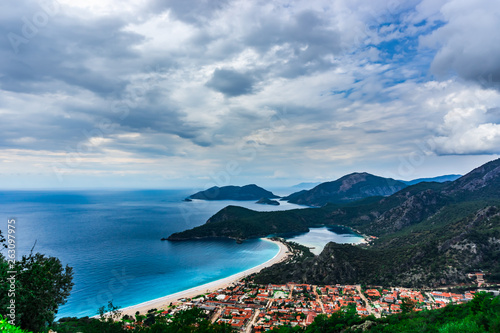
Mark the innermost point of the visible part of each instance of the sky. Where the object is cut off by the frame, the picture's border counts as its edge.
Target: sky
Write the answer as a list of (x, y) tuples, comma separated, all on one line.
[(170, 94)]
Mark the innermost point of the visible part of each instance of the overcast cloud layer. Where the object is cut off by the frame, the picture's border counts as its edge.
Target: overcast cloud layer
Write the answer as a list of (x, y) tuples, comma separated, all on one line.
[(153, 93)]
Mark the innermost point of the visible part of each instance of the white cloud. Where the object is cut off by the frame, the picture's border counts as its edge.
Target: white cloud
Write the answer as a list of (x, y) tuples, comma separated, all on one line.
[(471, 124)]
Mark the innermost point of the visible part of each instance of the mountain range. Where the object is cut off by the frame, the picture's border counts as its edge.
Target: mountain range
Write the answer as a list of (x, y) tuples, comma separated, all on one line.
[(349, 188), (439, 179), (428, 234)]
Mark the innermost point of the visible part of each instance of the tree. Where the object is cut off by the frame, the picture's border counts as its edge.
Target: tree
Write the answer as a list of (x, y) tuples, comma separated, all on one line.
[(193, 320), (41, 285), (407, 305), (150, 319), (112, 313), (2, 242)]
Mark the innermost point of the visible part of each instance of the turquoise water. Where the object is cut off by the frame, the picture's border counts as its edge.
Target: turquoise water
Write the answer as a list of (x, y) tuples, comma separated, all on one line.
[(112, 241), (317, 238)]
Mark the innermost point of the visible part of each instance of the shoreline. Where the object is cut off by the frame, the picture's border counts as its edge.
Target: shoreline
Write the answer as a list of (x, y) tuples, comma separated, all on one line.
[(164, 302)]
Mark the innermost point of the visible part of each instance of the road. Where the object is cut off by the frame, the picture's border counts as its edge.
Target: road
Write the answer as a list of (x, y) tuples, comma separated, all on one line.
[(318, 299), (251, 321), (368, 307), (216, 315)]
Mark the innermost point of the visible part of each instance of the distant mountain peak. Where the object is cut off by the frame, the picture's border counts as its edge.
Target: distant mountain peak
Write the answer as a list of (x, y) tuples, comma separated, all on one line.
[(350, 180), (351, 187)]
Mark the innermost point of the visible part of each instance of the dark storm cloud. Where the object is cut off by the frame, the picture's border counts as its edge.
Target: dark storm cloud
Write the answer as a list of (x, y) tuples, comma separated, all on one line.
[(467, 45), (157, 118), (67, 132), (67, 54), (231, 83), (61, 49), (150, 111)]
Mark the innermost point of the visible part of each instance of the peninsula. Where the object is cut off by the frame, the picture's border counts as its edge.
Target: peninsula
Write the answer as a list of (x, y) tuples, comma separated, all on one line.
[(267, 201)]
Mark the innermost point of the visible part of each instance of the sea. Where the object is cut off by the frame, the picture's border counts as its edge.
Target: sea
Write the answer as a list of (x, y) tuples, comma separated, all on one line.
[(112, 240)]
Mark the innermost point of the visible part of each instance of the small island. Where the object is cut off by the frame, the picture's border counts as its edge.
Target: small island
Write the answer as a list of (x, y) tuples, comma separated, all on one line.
[(267, 201), (241, 193)]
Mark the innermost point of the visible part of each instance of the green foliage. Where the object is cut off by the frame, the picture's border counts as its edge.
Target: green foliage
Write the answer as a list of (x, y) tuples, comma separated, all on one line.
[(2, 242), (284, 272), (407, 305), (337, 322), (87, 325), (150, 319), (42, 284), (8, 328), (193, 320), (465, 325)]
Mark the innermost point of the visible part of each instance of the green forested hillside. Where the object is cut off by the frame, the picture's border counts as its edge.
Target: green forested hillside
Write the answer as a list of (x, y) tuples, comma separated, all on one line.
[(428, 234), (415, 257)]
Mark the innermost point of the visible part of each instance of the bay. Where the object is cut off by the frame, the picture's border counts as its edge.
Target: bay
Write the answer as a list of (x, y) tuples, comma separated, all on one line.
[(112, 241), (317, 238)]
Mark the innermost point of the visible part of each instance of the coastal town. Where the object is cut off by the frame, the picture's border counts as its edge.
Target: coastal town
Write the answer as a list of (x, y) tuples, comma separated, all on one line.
[(249, 307)]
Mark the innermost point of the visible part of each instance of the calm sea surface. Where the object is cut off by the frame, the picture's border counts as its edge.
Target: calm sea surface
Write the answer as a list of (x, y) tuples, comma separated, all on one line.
[(112, 241)]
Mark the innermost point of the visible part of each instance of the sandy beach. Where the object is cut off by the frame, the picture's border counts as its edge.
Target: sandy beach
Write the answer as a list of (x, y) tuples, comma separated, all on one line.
[(165, 301)]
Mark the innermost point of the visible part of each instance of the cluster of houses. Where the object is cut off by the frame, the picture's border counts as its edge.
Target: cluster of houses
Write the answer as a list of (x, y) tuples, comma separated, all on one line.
[(256, 308)]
